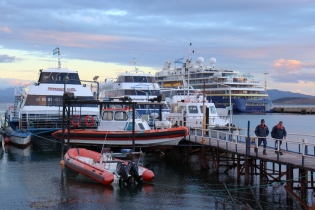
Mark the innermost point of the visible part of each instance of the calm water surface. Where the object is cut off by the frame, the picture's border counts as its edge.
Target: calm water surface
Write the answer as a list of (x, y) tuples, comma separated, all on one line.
[(32, 178)]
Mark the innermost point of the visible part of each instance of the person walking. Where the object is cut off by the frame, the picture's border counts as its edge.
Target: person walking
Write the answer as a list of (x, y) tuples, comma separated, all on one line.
[(262, 132), (278, 132)]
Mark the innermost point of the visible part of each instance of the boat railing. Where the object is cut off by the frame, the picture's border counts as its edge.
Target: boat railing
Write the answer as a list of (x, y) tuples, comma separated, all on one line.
[(236, 138)]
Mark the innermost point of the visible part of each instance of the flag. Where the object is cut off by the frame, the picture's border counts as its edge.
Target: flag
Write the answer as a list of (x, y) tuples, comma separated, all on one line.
[(56, 51), (180, 60)]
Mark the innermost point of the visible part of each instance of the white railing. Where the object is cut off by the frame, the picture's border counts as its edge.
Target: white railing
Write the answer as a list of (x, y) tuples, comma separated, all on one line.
[(300, 144)]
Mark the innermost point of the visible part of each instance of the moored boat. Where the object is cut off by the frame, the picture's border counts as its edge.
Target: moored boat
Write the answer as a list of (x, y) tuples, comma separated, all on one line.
[(18, 137), (37, 106), (115, 129), (105, 168)]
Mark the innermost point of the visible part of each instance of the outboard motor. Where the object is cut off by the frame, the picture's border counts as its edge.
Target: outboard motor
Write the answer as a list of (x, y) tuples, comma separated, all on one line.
[(122, 171), (133, 171)]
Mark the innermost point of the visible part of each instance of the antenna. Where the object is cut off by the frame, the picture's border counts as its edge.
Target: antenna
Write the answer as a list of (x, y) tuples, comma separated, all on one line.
[(134, 62)]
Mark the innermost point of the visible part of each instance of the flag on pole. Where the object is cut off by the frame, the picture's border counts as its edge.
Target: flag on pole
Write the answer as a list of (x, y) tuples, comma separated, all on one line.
[(56, 51), (180, 60)]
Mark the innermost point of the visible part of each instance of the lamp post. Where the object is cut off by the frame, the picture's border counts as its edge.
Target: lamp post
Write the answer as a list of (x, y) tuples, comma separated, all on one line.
[(231, 107), (147, 96), (266, 80)]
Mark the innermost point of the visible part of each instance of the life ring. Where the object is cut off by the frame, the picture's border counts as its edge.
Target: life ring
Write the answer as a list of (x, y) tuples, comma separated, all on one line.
[(89, 120), (76, 120), (11, 107)]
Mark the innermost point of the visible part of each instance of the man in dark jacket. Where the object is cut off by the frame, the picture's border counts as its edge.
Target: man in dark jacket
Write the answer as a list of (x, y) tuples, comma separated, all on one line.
[(261, 132), (278, 132)]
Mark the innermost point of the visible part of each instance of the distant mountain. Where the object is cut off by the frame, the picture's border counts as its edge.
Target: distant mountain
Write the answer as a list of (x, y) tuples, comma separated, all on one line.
[(7, 95), (293, 100), (277, 94)]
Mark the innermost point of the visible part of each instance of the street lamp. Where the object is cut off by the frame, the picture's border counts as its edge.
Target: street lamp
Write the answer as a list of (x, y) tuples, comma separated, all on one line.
[(231, 108), (147, 96), (266, 80)]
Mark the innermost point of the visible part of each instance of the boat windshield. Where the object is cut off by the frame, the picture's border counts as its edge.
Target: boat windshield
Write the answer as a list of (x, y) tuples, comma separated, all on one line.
[(136, 79), (212, 109), (59, 78), (137, 115)]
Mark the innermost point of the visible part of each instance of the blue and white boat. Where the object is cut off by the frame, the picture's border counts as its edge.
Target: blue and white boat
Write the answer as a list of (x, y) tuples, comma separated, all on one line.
[(18, 136), (246, 93), (38, 106)]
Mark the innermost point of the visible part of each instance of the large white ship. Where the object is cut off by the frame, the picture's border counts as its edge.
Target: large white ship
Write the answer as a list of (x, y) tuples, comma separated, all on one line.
[(138, 86), (221, 86), (38, 107)]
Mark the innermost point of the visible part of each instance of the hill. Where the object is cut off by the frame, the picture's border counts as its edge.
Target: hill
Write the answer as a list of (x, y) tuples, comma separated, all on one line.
[(293, 100), (277, 94)]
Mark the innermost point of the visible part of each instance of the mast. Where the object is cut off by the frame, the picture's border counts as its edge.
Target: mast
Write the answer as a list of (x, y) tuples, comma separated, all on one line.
[(189, 65), (57, 51)]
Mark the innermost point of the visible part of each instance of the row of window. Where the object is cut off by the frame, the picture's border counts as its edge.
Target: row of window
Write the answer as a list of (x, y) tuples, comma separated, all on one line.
[(136, 79), (42, 100), (192, 109), (59, 78), (133, 92)]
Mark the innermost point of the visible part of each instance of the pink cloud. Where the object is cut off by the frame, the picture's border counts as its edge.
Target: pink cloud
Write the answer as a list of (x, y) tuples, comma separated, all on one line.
[(71, 39), (289, 66), (5, 30)]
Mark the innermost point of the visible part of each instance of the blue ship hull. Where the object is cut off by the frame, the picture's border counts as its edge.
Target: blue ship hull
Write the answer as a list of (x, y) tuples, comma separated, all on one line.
[(242, 104)]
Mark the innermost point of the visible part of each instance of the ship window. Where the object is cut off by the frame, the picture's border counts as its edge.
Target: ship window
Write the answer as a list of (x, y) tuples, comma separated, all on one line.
[(151, 80), (140, 79), (128, 79), (141, 126), (212, 110), (129, 92), (59, 78), (141, 92), (120, 116), (192, 109), (155, 92), (108, 116)]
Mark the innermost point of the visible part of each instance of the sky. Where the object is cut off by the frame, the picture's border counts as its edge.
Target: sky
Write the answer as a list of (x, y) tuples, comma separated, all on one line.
[(103, 37)]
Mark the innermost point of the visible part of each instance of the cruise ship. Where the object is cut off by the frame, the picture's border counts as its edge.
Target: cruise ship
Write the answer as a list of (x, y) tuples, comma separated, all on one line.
[(223, 87), (38, 106)]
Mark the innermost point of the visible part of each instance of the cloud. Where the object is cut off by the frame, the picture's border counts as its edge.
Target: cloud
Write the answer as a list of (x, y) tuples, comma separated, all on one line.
[(287, 65), (293, 71), (5, 30), (7, 59)]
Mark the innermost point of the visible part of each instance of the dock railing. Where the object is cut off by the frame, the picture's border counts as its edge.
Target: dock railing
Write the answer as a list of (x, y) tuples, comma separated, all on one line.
[(242, 140)]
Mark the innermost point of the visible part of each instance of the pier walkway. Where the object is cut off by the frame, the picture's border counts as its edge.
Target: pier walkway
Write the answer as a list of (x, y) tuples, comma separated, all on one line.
[(299, 158), (236, 150)]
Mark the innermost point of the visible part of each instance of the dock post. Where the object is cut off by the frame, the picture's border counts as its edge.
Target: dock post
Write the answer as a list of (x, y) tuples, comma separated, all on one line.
[(217, 166), (238, 169), (248, 140), (246, 171), (203, 158), (304, 182)]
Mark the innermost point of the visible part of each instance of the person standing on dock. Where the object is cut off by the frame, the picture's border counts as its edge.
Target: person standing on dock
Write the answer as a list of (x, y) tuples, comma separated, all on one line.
[(278, 132), (262, 132)]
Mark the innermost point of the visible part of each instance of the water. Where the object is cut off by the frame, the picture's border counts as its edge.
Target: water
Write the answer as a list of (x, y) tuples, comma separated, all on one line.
[(32, 178)]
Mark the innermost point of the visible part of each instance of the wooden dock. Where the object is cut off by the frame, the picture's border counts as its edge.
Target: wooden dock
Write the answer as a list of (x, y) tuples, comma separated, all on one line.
[(297, 110), (295, 168)]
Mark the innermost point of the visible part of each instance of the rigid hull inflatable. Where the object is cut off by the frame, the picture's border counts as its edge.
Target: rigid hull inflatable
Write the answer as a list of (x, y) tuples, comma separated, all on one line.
[(105, 168)]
